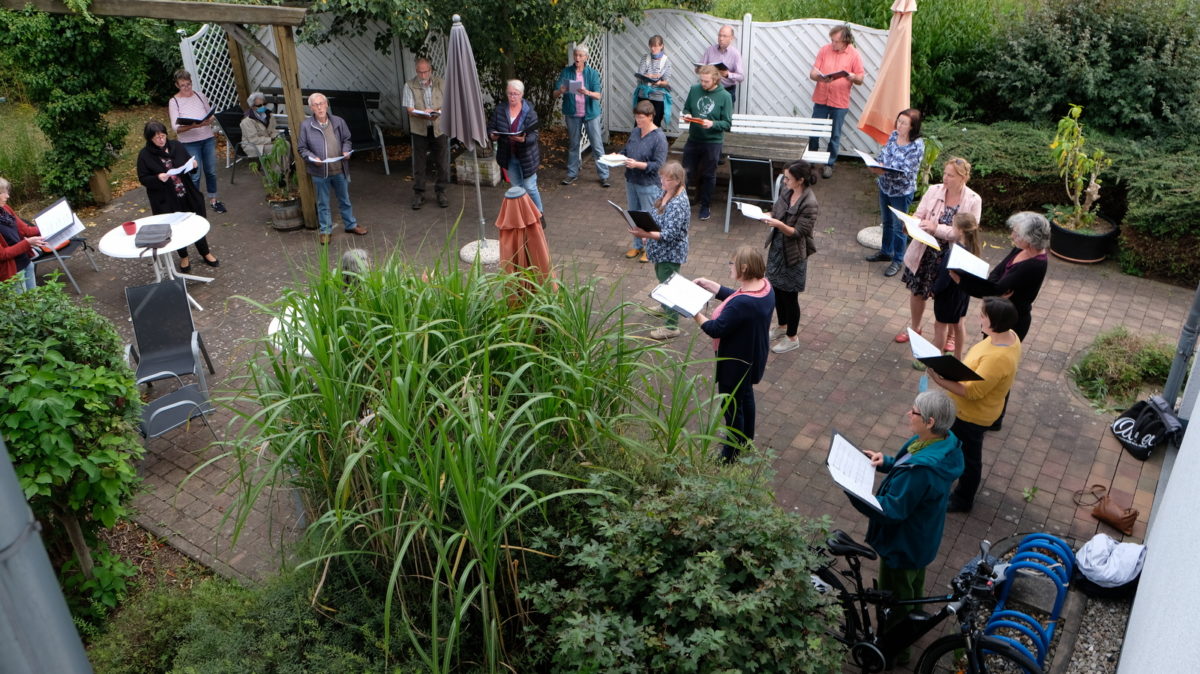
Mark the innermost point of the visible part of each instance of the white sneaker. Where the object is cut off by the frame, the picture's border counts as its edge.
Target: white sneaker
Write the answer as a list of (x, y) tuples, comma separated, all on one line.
[(784, 345), (776, 332), (664, 333)]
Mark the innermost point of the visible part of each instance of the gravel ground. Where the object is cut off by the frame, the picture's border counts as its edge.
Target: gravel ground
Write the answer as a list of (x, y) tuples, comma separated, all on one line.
[(1101, 634)]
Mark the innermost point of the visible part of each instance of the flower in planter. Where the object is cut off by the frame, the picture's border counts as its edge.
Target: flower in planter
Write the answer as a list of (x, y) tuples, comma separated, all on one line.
[(1079, 171)]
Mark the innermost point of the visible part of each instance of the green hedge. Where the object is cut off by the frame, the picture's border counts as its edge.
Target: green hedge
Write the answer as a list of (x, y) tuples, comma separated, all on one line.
[(1150, 189)]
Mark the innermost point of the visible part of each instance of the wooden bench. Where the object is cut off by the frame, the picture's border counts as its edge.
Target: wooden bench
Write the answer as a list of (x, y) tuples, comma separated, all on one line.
[(352, 106)]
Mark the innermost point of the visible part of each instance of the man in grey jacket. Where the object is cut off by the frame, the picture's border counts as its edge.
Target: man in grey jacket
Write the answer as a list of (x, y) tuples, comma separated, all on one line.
[(324, 142)]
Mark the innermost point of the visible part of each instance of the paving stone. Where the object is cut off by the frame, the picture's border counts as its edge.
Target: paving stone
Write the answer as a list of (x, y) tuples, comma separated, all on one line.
[(848, 375)]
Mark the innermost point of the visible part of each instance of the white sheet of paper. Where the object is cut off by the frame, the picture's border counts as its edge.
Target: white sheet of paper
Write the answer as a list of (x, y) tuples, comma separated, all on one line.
[(852, 470), (913, 227), (685, 297), (613, 159), (921, 347), (187, 166), (961, 258), (574, 86), (869, 160), (333, 159), (750, 210)]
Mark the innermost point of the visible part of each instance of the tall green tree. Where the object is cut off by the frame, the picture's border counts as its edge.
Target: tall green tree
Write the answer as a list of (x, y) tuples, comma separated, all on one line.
[(71, 65)]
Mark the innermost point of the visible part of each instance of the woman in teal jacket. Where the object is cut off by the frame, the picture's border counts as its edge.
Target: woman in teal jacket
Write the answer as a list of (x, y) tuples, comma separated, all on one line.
[(579, 85), (913, 496)]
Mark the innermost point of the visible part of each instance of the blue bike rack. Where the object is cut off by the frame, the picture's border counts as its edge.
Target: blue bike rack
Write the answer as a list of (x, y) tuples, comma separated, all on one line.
[(1038, 554)]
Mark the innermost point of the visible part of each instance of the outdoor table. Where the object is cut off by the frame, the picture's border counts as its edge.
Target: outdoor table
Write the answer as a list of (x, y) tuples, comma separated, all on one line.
[(117, 244), (280, 331)]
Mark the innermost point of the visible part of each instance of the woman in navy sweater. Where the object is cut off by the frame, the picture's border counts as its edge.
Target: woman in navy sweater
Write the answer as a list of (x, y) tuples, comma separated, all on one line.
[(739, 328)]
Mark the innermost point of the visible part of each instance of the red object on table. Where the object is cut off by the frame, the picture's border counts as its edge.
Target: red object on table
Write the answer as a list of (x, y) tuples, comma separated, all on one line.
[(129, 227)]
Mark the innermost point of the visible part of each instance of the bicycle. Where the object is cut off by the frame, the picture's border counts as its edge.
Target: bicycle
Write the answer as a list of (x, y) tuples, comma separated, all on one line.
[(970, 650)]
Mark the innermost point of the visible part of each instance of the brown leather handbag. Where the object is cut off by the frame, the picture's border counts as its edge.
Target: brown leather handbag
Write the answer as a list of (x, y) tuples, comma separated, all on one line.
[(1106, 510)]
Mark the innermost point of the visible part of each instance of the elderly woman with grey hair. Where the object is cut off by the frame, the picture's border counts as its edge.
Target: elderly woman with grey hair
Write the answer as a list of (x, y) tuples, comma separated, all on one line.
[(258, 126), (913, 496), (1020, 274)]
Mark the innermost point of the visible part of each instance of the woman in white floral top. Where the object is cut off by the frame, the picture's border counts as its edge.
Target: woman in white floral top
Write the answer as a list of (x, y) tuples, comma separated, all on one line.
[(668, 248), (901, 158)]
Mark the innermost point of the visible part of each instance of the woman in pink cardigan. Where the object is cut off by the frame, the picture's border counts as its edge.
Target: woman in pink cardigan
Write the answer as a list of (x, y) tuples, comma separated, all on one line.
[(936, 213)]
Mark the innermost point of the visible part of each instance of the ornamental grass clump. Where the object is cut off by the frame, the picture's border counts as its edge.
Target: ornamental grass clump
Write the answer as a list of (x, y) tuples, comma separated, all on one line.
[(1119, 367), (428, 420)]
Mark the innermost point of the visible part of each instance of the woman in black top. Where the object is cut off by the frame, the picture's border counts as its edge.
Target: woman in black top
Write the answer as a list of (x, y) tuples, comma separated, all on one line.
[(171, 193), (739, 327), (1020, 274)]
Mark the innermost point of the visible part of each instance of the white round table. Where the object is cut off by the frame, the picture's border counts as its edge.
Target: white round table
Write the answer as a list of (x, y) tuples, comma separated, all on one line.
[(186, 231)]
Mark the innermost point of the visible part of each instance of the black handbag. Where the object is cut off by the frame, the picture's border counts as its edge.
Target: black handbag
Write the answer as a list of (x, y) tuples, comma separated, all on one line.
[(152, 237), (1142, 427)]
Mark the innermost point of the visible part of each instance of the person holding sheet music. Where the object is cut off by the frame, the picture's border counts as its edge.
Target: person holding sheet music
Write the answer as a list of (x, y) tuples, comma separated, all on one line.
[(980, 403), (710, 110), (739, 328), (654, 81), (913, 496), (902, 154), (18, 243), (514, 125), (1020, 274), (729, 58), (789, 243), (950, 303), (197, 136), (936, 212), (645, 152), (668, 248), (171, 193), (837, 67), (581, 112)]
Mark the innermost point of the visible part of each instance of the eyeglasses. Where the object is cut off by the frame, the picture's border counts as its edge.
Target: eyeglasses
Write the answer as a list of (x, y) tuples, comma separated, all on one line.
[(915, 413)]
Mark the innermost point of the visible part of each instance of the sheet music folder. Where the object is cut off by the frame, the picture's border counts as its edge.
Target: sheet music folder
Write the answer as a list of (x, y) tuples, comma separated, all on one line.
[(681, 295), (852, 470), (57, 223), (640, 219), (948, 366)]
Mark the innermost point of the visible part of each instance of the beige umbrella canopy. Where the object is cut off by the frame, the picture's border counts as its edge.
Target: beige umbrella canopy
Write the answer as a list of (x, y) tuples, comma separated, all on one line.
[(890, 94)]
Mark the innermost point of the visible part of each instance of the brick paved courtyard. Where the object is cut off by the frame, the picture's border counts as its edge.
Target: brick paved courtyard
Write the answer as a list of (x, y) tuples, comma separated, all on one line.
[(848, 374)]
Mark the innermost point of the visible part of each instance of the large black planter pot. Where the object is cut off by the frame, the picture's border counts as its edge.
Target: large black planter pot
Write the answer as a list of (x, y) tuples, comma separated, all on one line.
[(1080, 247)]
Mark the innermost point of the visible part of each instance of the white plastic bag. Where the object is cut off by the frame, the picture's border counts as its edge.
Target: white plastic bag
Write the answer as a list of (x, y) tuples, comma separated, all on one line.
[(1108, 563)]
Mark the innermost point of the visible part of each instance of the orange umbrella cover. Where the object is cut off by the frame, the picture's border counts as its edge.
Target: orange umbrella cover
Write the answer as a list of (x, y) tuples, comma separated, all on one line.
[(890, 94), (522, 242)]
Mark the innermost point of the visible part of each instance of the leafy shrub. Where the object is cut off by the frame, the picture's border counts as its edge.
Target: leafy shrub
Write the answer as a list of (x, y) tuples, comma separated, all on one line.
[(706, 576), (1118, 366), (69, 411), (218, 626), (1131, 63), (58, 55)]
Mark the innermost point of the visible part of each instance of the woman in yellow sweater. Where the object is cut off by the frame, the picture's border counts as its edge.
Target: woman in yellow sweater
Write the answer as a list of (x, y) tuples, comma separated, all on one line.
[(980, 403)]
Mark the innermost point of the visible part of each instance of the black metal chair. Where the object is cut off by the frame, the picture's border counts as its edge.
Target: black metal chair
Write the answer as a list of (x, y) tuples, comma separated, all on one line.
[(74, 245), (230, 122), (353, 107), (749, 180), (170, 411), (166, 342)]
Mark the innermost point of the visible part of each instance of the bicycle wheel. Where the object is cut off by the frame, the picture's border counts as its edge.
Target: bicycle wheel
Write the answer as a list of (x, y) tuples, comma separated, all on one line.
[(948, 655), (850, 621)]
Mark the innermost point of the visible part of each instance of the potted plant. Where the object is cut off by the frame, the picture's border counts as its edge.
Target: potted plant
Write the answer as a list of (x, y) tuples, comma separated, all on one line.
[(1077, 233), (279, 182)]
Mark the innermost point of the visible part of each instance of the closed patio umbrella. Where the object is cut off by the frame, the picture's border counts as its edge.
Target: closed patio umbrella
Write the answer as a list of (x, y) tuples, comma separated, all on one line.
[(522, 242), (462, 107), (890, 94)]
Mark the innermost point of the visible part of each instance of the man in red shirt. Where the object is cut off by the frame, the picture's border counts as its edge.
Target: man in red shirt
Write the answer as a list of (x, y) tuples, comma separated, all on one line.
[(837, 68)]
